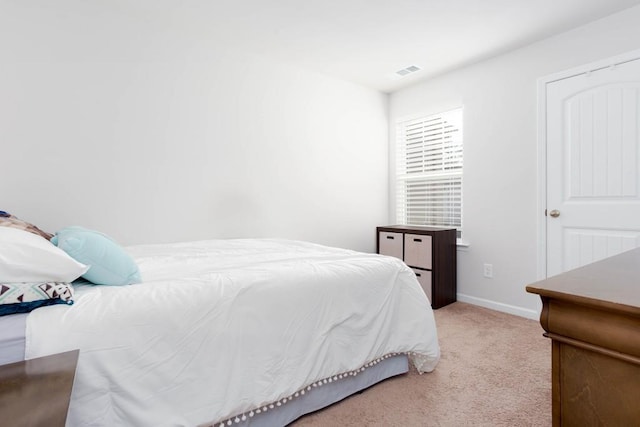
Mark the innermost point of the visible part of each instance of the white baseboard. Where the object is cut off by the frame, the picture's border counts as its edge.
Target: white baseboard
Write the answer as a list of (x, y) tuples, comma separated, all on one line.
[(498, 306)]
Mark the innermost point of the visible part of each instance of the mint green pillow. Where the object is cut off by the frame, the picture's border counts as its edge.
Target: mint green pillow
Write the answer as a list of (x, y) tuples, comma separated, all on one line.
[(108, 263)]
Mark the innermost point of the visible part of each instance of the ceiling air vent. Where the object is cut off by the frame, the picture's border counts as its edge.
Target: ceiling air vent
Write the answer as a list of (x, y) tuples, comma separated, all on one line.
[(406, 71)]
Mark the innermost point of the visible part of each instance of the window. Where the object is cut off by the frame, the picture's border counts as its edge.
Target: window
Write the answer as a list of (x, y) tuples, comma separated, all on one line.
[(429, 171)]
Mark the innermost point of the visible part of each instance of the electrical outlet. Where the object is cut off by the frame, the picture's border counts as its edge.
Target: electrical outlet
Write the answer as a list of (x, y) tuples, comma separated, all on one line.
[(488, 271)]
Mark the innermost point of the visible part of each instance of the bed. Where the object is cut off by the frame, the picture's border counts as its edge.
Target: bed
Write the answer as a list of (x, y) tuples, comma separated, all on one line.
[(234, 332)]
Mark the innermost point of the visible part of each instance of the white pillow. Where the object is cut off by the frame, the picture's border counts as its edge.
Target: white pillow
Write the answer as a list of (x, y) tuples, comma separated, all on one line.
[(27, 257)]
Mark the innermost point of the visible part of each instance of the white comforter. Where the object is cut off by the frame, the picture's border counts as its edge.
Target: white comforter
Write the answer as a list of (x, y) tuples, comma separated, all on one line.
[(221, 327)]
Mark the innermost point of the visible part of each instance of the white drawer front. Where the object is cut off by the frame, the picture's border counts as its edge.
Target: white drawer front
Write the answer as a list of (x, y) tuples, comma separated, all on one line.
[(424, 278), (417, 250), (391, 244)]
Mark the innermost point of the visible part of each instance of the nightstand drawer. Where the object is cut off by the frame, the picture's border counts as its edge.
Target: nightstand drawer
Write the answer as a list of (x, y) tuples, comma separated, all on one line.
[(417, 250), (391, 244), (424, 278)]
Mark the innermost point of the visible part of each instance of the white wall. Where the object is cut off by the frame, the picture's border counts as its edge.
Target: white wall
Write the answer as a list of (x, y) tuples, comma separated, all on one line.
[(142, 128), (500, 178)]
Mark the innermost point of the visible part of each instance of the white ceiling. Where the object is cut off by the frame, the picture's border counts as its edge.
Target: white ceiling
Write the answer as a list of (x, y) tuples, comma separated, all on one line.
[(363, 41), (366, 41)]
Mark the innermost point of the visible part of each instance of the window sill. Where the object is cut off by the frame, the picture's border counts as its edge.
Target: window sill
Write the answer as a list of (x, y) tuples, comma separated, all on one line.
[(462, 245)]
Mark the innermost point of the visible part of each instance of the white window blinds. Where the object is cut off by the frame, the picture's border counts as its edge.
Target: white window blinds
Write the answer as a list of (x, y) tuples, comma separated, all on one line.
[(429, 171)]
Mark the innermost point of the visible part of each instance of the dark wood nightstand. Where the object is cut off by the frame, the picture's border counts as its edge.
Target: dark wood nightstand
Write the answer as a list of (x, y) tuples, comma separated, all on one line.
[(36, 392), (431, 254)]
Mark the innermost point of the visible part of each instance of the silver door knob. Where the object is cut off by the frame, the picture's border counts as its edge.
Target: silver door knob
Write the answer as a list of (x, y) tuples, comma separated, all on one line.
[(554, 213)]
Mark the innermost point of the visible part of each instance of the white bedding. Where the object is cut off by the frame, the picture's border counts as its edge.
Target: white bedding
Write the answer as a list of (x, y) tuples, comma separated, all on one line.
[(221, 327)]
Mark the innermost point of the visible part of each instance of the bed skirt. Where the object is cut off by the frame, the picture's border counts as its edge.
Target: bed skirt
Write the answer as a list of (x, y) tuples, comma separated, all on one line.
[(323, 394)]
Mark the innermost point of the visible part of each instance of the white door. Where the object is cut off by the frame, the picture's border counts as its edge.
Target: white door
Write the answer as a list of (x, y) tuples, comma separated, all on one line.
[(593, 153)]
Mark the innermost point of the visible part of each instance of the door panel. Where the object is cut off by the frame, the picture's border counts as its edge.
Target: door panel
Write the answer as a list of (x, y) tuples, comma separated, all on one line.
[(602, 142), (583, 246), (593, 166)]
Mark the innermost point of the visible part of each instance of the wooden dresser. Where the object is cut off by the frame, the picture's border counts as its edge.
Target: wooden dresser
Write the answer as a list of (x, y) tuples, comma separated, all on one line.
[(592, 315)]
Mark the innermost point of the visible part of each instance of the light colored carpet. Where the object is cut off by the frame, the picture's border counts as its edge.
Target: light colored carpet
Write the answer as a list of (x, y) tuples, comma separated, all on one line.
[(495, 370)]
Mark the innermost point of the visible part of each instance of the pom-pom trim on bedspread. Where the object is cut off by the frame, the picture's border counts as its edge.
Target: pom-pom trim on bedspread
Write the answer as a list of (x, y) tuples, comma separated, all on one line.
[(416, 358)]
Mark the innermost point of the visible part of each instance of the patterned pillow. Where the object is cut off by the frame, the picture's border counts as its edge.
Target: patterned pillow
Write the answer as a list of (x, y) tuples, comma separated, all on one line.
[(24, 297), (8, 220)]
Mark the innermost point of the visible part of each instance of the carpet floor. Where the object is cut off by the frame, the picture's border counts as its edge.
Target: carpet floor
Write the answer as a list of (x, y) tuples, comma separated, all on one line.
[(495, 370)]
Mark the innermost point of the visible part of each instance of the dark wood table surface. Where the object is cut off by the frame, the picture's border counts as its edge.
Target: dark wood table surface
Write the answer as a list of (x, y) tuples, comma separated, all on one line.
[(36, 392)]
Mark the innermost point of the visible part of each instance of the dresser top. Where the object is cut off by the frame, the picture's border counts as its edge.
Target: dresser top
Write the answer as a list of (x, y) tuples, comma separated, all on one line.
[(412, 228), (613, 284)]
